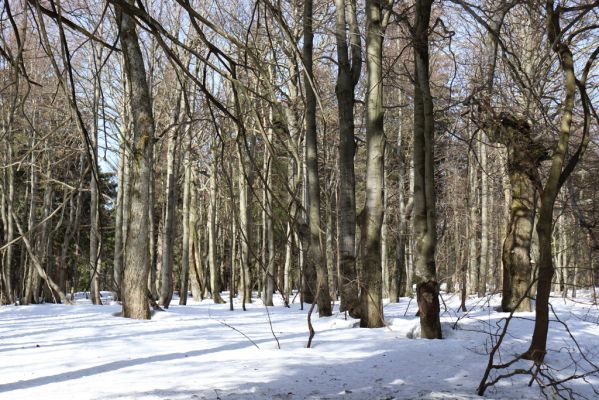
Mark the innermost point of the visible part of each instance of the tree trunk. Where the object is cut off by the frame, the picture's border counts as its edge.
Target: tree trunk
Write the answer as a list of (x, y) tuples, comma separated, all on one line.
[(472, 227), (427, 289), (371, 218), (136, 260), (484, 219), (168, 232), (186, 243), (244, 226), (214, 268), (348, 75), (94, 211), (556, 177), (319, 287), (118, 224)]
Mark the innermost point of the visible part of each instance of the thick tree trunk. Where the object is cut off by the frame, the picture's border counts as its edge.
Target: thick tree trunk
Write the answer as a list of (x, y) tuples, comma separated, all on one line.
[(371, 219), (522, 164), (136, 260), (348, 75), (427, 289)]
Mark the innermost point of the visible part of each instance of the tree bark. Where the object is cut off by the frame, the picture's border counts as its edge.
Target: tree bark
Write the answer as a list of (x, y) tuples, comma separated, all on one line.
[(136, 260), (348, 75), (168, 232), (371, 218), (522, 164), (556, 177), (214, 268), (186, 221), (319, 287), (427, 289)]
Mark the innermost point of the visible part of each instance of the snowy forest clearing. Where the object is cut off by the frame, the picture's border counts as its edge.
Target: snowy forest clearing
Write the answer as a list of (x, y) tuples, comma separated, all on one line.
[(199, 352)]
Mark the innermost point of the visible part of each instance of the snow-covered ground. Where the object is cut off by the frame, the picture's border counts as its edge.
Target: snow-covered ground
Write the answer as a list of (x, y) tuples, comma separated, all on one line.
[(205, 351)]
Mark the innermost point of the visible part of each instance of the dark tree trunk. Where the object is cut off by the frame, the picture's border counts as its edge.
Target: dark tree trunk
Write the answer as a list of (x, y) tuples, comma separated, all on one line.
[(427, 289)]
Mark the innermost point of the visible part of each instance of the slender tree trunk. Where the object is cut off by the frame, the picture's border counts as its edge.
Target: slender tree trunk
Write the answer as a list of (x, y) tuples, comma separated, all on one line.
[(472, 227), (155, 239), (168, 232), (29, 268), (10, 235), (214, 268), (94, 211), (555, 180), (320, 286), (118, 224), (186, 221), (244, 227), (484, 219)]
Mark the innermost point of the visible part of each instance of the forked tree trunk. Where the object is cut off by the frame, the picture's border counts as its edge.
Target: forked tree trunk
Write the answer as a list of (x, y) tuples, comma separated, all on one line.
[(556, 177), (348, 75)]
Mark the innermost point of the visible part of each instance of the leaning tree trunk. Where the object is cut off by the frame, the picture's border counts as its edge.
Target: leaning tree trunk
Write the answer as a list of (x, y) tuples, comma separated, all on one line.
[(136, 261), (371, 218), (556, 178), (427, 288), (320, 287)]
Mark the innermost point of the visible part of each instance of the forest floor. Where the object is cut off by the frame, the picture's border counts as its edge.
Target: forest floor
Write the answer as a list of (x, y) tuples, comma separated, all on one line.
[(205, 351)]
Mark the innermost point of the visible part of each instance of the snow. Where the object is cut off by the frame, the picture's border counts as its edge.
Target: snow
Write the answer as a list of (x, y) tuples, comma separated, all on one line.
[(192, 352)]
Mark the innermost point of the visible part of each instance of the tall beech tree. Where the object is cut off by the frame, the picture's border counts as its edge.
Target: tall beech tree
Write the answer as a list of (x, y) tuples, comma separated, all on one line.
[(316, 289), (348, 76), (136, 248), (425, 222), (371, 216)]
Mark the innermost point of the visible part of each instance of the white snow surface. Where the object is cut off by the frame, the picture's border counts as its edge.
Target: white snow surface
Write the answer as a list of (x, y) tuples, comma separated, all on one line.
[(199, 351)]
